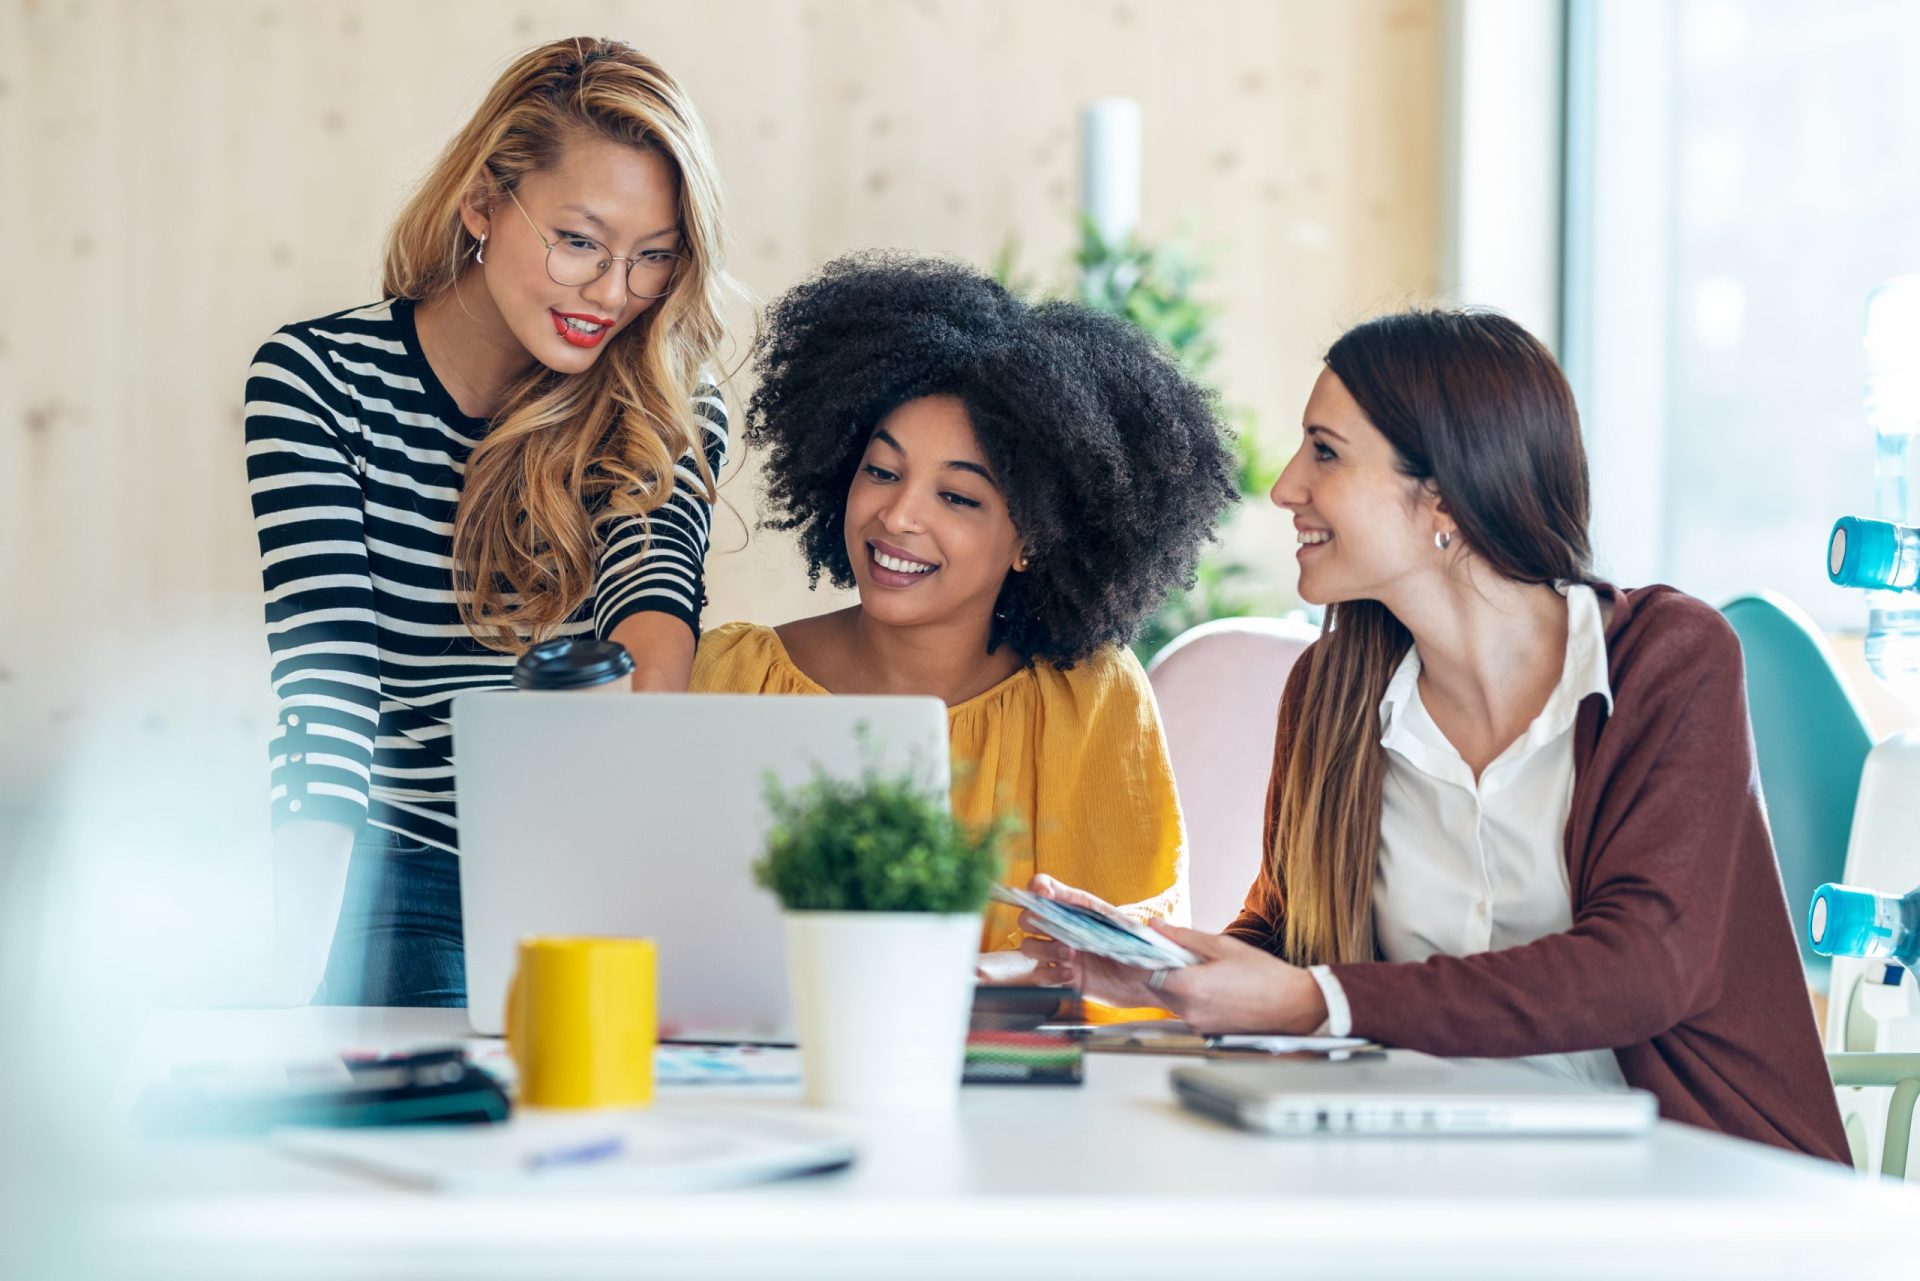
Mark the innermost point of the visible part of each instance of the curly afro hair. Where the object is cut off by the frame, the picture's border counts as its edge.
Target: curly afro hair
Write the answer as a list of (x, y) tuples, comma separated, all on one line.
[(1114, 464)]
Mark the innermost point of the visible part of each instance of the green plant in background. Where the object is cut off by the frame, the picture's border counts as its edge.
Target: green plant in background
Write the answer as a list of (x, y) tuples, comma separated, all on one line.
[(1154, 287), (879, 843), (1157, 288)]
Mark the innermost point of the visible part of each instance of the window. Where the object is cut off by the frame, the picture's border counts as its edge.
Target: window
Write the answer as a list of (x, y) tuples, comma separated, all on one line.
[(1740, 176)]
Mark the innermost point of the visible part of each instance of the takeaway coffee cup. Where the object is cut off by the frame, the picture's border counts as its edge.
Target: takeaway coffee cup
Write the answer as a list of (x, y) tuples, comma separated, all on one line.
[(582, 663)]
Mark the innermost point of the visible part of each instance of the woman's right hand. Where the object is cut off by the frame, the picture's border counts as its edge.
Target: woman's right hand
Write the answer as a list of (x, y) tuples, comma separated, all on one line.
[(1059, 965)]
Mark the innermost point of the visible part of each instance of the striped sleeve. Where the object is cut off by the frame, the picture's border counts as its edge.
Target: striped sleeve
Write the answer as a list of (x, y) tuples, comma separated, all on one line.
[(658, 561), (303, 449)]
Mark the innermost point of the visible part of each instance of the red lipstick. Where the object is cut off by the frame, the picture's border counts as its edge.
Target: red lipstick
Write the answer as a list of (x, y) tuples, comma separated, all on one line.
[(580, 337)]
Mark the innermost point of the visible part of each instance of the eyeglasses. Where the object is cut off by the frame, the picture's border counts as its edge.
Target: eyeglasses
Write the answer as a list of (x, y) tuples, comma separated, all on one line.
[(579, 260)]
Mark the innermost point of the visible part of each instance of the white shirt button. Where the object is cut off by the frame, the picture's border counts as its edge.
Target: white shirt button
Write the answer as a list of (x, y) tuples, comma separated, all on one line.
[(296, 756), (294, 806), (292, 719)]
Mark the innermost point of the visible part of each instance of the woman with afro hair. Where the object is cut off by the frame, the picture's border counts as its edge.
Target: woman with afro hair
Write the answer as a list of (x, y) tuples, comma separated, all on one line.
[(1013, 490)]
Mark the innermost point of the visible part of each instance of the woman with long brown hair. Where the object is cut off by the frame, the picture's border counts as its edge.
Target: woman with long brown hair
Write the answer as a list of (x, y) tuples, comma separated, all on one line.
[(1514, 810), (519, 442)]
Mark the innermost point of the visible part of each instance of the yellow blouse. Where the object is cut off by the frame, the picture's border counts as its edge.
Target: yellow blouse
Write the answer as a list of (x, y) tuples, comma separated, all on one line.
[(1077, 756)]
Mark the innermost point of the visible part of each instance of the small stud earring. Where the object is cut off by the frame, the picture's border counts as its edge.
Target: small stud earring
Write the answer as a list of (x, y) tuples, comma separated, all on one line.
[(1020, 566), (1443, 539), (480, 250)]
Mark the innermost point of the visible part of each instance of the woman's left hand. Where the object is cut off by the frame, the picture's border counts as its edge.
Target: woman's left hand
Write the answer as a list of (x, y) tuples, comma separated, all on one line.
[(1238, 988)]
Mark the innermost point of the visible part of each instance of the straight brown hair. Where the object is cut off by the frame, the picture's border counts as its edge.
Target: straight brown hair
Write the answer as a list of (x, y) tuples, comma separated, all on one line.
[(1476, 408)]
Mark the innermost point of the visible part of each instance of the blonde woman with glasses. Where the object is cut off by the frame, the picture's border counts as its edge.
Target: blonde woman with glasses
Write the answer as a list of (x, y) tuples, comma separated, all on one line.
[(518, 443)]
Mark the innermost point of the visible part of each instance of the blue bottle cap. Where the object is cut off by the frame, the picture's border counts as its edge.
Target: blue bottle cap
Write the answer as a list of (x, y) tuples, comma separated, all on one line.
[(1862, 552), (1843, 921)]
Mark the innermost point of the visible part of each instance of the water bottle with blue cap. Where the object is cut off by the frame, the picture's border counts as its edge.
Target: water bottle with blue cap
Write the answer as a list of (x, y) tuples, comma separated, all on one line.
[(1845, 920), (1875, 555), (1883, 555)]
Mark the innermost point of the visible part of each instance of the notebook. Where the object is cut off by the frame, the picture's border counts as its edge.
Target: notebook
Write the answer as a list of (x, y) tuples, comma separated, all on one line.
[(667, 1148)]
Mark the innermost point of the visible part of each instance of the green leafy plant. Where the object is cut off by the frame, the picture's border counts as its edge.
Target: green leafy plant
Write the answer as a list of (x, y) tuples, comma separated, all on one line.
[(1157, 288), (879, 843)]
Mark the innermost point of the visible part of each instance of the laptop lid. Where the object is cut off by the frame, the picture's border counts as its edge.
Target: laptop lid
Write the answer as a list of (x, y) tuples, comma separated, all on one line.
[(639, 815), (1402, 1093)]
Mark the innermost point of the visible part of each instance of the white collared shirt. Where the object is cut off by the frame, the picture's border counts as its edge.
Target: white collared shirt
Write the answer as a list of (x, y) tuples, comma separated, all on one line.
[(1468, 866)]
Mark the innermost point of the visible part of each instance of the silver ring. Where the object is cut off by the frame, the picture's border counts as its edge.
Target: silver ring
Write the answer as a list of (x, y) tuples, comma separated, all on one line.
[(1158, 977)]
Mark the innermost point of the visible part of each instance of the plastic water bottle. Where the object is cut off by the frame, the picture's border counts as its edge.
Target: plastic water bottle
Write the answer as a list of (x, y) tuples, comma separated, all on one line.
[(1893, 411), (1877, 555), (1844, 920)]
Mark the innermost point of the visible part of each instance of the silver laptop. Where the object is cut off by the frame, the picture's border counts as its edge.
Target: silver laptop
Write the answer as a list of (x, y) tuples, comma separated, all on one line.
[(1404, 1093), (639, 816)]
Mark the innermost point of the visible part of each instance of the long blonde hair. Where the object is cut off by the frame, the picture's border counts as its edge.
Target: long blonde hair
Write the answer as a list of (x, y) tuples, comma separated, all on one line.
[(1475, 406), (567, 453)]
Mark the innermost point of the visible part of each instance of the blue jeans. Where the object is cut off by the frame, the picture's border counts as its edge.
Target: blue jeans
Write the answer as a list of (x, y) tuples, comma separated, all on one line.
[(398, 941)]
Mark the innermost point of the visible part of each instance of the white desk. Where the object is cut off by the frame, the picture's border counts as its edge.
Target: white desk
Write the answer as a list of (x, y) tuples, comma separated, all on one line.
[(1109, 1180)]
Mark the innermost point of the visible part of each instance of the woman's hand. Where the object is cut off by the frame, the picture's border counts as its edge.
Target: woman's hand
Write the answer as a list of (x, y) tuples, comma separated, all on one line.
[(1058, 965), (1239, 988), (1236, 988), (995, 969)]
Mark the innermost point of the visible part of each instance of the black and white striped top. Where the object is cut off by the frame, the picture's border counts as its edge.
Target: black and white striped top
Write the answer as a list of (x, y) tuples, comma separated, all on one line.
[(355, 459)]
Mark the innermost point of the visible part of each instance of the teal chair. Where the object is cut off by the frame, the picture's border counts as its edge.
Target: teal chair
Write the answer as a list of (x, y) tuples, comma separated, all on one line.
[(1812, 741)]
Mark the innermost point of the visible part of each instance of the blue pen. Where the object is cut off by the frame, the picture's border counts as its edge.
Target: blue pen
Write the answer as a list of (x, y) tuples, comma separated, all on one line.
[(578, 1154)]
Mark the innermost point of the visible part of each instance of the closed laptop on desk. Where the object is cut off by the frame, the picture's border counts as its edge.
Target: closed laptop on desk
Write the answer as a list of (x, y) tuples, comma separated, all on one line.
[(1403, 1093)]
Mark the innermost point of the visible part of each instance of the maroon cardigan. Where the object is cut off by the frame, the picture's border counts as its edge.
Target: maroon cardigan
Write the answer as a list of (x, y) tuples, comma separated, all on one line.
[(1681, 957)]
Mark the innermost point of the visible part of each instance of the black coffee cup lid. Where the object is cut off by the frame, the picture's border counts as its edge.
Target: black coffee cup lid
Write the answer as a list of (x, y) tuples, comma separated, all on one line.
[(572, 664)]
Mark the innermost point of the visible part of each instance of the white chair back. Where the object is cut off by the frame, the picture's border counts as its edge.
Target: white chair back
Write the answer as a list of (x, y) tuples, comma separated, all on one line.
[(1865, 1012)]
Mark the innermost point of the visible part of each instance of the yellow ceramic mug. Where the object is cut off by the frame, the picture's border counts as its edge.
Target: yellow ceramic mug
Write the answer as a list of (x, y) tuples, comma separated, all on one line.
[(581, 1022)]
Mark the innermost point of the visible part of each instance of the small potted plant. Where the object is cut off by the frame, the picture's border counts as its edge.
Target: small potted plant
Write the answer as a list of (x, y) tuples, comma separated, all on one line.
[(883, 893)]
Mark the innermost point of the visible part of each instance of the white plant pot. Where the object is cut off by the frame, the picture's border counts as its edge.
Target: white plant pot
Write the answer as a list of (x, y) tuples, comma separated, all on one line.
[(880, 1002)]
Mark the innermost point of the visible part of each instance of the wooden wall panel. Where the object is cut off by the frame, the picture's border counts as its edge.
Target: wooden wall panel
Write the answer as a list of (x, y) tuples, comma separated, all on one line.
[(181, 177)]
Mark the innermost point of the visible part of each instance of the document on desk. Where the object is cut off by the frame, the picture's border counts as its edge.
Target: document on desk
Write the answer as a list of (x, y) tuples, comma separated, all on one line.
[(666, 1148), (675, 1065), (1169, 1037), (1288, 1044)]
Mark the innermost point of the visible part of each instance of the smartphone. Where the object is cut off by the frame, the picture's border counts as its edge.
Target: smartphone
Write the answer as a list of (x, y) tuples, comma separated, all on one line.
[(431, 1087)]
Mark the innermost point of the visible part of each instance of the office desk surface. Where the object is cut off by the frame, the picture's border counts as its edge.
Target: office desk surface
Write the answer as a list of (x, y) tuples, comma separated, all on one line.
[(1113, 1179)]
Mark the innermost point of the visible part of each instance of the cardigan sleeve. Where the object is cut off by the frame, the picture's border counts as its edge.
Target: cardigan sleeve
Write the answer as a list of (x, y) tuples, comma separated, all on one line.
[(1677, 823)]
